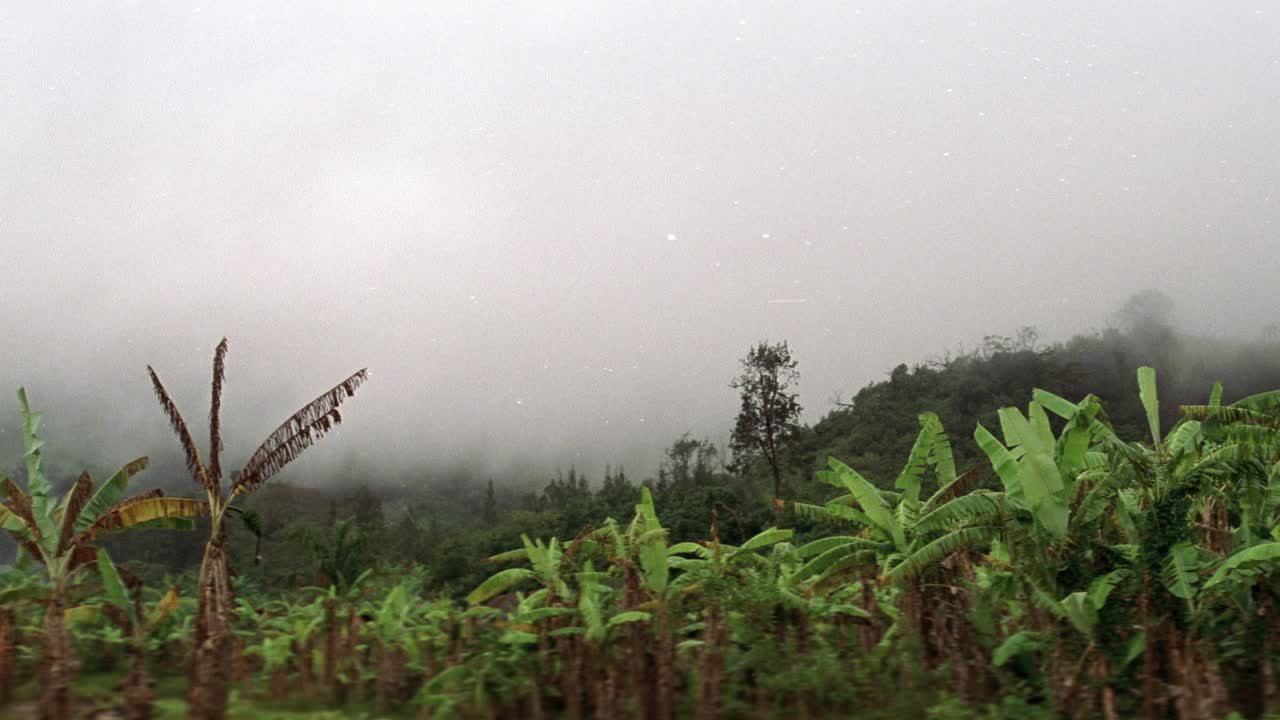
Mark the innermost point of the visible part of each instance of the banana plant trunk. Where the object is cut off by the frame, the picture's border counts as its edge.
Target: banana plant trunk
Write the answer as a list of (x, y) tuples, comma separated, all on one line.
[(666, 671), (55, 681), (711, 672), (8, 653), (138, 698), (330, 668), (210, 674)]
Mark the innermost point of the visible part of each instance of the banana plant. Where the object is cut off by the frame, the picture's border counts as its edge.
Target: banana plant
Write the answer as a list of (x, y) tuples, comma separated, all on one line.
[(712, 570), (545, 567), (338, 601), (893, 527), (125, 607), (210, 670), (276, 651), (60, 535), (392, 632)]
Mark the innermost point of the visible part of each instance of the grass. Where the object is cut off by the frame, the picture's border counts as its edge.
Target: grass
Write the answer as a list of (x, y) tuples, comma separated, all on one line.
[(99, 691)]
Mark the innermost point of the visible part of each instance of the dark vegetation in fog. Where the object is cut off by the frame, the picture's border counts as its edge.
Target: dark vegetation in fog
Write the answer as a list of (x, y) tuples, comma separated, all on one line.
[(450, 521)]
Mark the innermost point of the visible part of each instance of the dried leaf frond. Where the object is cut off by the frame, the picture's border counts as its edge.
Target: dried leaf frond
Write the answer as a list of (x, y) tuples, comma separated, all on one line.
[(80, 495), (136, 466), (194, 466), (297, 434), (215, 412), (20, 504)]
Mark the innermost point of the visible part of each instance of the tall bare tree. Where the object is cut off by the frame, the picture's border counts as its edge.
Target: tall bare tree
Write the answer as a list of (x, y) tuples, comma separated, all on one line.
[(210, 670), (768, 422)]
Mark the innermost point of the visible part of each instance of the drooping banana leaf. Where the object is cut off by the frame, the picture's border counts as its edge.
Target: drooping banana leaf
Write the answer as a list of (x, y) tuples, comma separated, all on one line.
[(934, 552), (149, 513), (1003, 461), (1258, 555), (108, 494), (870, 500), (765, 538)]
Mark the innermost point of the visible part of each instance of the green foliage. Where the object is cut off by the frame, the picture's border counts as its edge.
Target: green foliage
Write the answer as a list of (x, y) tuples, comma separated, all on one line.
[(1075, 544)]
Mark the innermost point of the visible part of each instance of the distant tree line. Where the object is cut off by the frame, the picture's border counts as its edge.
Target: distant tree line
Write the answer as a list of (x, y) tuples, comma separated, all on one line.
[(307, 534)]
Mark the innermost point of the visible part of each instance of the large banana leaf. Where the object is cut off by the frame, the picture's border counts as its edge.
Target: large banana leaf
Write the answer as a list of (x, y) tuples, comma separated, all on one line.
[(1150, 401), (871, 502), (909, 479), (1267, 402), (1215, 395), (1078, 436), (38, 486), (1031, 478), (115, 588), (1180, 572), (108, 494), (149, 513), (977, 508), (1003, 461), (934, 552), (1038, 474), (11, 522), (821, 545), (629, 616), (85, 614), (1081, 612), (765, 538), (499, 583), (828, 555), (653, 554), (1258, 555), (1023, 642)]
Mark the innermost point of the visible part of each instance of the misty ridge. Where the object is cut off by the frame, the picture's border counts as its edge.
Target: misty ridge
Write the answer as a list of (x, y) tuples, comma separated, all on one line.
[(92, 433)]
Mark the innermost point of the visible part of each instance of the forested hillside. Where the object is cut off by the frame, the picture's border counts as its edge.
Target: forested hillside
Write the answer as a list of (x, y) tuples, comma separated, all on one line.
[(449, 524)]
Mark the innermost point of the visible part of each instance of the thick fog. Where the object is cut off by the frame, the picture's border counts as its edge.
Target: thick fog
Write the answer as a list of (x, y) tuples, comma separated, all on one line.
[(551, 230)]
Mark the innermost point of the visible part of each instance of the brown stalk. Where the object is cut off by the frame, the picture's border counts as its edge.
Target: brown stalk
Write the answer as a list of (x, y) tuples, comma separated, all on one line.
[(194, 466), (215, 412), (8, 654)]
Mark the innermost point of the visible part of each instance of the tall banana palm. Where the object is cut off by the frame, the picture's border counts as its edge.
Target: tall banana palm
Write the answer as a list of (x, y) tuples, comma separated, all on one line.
[(60, 535), (210, 672)]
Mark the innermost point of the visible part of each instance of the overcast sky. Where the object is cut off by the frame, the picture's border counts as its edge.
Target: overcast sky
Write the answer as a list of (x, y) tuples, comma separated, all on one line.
[(550, 230)]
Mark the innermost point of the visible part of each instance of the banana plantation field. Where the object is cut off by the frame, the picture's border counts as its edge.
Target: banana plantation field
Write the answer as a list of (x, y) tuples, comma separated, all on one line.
[(1076, 574)]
